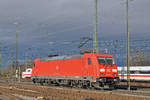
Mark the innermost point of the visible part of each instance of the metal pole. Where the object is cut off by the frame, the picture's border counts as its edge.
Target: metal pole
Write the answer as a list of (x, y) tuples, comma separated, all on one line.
[(17, 52), (95, 42), (11, 62), (26, 64), (128, 45), (0, 58)]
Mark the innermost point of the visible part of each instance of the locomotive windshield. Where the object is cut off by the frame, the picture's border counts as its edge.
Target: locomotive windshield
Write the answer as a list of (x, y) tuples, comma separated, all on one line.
[(105, 60)]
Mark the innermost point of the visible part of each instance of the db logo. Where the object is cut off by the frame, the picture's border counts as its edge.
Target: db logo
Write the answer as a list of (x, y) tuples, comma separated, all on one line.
[(108, 70), (57, 67)]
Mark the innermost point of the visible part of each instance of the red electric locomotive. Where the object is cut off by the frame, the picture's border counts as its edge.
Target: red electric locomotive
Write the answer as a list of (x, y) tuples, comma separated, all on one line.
[(88, 70)]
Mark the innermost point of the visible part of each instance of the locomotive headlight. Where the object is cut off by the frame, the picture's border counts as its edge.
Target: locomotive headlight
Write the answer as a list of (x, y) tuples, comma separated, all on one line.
[(114, 70), (102, 70)]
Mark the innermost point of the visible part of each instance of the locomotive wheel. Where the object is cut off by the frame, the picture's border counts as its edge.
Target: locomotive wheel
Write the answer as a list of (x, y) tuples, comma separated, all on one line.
[(98, 85), (79, 85), (41, 83), (112, 87)]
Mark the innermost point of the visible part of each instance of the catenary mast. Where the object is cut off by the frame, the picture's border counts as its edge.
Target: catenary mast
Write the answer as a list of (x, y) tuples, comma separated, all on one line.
[(128, 44), (95, 36)]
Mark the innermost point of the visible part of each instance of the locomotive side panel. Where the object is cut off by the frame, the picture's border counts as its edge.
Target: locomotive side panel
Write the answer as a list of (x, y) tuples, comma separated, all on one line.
[(46, 68), (72, 67)]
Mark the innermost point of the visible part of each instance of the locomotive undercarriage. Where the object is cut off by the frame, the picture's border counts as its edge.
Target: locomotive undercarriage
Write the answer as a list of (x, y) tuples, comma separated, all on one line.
[(99, 84), (106, 82)]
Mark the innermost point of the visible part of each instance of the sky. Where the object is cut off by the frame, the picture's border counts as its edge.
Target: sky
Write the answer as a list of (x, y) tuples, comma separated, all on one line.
[(44, 21), (51, 18)]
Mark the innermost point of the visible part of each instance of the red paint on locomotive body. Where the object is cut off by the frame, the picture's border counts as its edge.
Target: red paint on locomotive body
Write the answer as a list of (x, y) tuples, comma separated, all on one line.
[(91, 65)]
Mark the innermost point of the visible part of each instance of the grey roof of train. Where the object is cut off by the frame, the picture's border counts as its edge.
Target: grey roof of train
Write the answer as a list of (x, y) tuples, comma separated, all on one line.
[(60, 58)]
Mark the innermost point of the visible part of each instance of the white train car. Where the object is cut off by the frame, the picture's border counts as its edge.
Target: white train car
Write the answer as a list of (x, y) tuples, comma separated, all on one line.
[(27, 73), (137, 73)]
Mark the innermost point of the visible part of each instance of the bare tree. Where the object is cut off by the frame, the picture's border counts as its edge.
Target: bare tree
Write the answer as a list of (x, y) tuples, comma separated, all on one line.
[(139, 58)]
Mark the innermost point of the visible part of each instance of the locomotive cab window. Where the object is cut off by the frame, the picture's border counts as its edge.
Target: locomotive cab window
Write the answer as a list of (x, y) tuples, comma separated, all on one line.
[(101, 60), (105, 60), (110, 60), (89, 61)]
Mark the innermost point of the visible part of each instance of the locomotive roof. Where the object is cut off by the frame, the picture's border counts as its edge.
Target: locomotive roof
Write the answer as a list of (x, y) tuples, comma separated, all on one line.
[(60, 57)]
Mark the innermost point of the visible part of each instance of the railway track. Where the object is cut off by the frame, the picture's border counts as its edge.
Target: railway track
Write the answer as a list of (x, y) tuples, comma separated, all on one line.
[(142, 84), (8, 95), (16, 90)]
